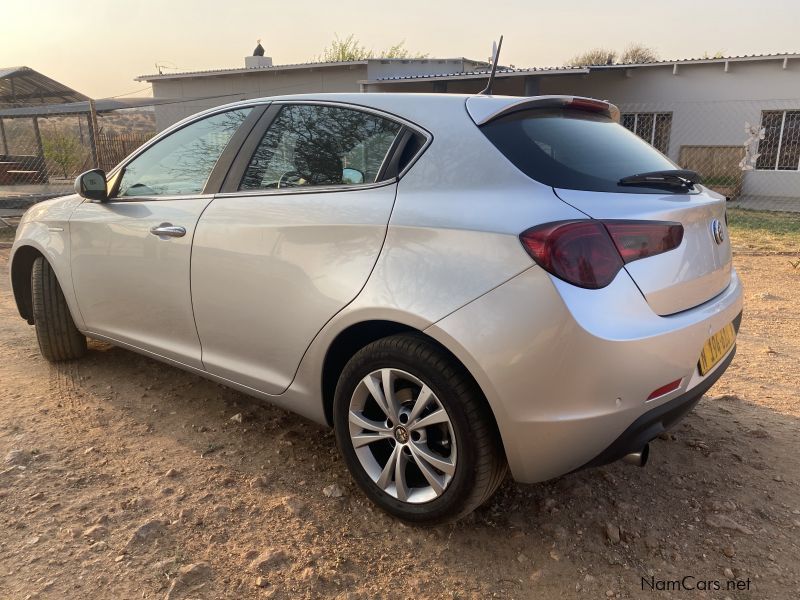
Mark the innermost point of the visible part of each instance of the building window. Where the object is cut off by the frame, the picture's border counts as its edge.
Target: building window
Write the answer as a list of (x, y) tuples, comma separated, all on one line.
[(653, 128), (780, 148)]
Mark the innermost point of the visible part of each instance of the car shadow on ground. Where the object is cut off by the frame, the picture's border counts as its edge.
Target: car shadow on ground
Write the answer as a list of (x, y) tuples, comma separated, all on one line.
[(714, 502)]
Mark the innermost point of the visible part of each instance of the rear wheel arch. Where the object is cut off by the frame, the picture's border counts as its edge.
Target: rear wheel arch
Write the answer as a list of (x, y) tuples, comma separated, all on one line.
[(355, 337), (21, 269)]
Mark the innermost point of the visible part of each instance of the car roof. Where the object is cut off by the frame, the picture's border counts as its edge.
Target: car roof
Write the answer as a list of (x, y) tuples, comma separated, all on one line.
[(424, 109)]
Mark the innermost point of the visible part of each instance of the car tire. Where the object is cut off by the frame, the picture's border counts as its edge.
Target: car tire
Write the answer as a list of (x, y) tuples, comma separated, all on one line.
[(473, 460), (58, 337)]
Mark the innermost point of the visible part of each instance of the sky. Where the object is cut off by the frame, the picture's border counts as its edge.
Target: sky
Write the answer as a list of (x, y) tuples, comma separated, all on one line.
[(98, 47)]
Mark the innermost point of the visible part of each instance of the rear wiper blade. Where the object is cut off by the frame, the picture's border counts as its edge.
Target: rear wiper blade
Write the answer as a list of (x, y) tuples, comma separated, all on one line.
[(670, 177)]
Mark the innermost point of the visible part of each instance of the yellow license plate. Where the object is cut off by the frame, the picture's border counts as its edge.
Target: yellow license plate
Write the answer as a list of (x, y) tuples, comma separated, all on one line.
[(715, 348)]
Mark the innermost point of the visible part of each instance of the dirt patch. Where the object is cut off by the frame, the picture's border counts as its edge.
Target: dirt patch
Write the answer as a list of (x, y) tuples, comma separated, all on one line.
[(121, 477)]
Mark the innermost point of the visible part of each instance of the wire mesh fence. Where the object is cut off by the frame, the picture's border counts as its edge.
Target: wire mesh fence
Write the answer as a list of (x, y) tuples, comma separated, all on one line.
[(742, 149), (54, 150)]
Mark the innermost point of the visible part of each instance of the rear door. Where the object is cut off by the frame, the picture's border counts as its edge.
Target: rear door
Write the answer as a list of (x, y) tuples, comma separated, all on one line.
[(583, 155), (291, 239)]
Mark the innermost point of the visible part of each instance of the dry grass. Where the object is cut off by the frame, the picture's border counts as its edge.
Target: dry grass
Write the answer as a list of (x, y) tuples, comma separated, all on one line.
[(6, 233), (762, 231)]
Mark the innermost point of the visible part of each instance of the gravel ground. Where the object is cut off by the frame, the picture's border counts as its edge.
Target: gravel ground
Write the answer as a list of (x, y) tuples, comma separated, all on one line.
[(124, 478)]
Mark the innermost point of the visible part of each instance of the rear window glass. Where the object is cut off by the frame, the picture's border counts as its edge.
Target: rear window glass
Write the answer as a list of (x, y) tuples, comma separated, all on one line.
[(575, 149)]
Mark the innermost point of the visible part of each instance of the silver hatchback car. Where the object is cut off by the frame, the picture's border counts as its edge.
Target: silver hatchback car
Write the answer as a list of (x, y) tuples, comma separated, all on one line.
[(458, 285)]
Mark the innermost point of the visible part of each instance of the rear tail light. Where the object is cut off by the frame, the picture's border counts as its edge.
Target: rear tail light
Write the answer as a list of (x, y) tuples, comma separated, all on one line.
[(590, 253)]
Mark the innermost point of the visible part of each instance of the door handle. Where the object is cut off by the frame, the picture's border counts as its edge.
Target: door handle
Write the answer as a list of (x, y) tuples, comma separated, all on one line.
[(166, 230)]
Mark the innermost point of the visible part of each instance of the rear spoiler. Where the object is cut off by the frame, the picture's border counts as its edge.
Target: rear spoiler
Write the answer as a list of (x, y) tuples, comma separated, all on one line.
[(484, 109)]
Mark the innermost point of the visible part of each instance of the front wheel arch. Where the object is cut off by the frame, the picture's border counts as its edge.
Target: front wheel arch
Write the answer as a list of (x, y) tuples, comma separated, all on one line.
[(21, 269)]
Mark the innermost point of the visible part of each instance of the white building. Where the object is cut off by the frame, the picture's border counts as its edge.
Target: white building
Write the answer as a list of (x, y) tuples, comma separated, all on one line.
[(694, 110)]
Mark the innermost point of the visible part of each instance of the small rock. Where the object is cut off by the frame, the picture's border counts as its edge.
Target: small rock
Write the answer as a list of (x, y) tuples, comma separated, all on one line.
[(171, 473), (522, 558), (37, 496), (190, 578), (294, 505), (185, 514), (724, 522), (609, 594), (99, 547), (612, 533), (259, 482), (269, 560), (18, 457), (119, 558), (333, 491), (262, 582), (147, 531), (89, 450), (728, 572), (237, 418), (95, 532), (729, 551)]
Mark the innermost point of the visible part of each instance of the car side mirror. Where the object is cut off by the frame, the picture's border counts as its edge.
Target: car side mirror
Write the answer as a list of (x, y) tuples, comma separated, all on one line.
[(352, 176), (92, 185)]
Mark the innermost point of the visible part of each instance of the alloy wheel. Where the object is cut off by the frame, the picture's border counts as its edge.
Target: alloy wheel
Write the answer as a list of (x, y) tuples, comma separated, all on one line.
[(402, 435)]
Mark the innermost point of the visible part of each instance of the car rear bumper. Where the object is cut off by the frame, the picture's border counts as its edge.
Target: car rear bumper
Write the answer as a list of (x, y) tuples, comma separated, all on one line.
[(568, 371), (658, 420)]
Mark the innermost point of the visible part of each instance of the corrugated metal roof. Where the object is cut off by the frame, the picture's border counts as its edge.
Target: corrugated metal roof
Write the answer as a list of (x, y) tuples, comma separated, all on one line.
[(510, 72), (22, 86), (242, 70), (484, 73), (292, 66)]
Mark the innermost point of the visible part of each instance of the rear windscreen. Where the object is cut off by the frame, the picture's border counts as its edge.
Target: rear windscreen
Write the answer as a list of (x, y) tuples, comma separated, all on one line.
[(575, 150)]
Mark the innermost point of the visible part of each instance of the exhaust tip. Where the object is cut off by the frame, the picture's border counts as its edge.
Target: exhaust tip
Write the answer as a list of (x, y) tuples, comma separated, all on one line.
[(639, 458)]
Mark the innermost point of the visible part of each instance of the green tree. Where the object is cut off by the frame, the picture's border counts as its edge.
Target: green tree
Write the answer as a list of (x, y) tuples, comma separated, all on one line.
[(349, 48), (596, 56), (638, 53), (61, 146)]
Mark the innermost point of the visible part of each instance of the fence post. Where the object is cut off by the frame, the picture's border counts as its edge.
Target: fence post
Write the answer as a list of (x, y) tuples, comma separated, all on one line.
[(38, 134), (3, 135), (92, 136)]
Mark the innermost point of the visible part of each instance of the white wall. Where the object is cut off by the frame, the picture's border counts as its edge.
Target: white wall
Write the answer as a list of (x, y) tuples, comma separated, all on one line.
[(230, 88)]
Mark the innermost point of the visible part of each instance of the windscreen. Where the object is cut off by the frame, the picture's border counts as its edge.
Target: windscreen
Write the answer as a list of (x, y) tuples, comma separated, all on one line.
[(574, 149)]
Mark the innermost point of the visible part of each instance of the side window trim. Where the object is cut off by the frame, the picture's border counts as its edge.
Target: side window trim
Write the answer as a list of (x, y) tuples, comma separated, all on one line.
[(225, 161), (217, 174), (246, 149), (237, 170)]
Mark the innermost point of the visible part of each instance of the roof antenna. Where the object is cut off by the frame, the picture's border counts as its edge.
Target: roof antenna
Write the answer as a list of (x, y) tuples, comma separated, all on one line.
[(487, 91)]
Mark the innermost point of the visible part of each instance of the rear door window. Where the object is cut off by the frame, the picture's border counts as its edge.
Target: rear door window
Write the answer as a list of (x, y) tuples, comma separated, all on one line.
[(315, 145), (575, 149)]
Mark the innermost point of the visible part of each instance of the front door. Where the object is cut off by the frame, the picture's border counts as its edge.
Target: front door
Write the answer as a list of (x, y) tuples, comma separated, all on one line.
[(292, 241), (130, 255)]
